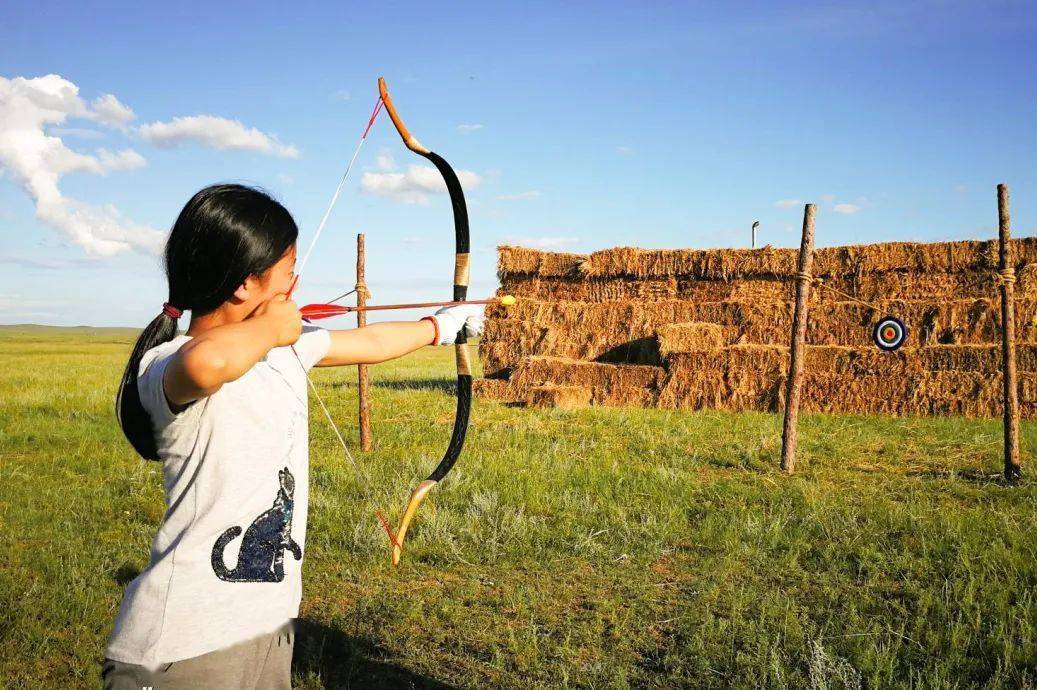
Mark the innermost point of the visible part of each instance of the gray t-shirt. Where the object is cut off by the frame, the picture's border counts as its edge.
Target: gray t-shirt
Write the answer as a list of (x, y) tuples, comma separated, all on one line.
[(226, 564)]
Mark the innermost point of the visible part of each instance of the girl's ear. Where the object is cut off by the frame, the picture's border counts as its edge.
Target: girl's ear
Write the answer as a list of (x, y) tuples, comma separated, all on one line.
[(248, 289)]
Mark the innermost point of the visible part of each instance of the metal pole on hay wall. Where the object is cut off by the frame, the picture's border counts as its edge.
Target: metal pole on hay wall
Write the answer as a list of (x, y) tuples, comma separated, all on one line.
[(361, 321), (1006, 266), (799, 331)]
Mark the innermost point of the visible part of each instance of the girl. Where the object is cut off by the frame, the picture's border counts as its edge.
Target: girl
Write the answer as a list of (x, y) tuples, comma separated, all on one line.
[(224, 408)]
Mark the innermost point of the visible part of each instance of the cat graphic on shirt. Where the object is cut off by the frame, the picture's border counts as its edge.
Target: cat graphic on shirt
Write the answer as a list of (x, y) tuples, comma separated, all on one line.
[(261, 557)]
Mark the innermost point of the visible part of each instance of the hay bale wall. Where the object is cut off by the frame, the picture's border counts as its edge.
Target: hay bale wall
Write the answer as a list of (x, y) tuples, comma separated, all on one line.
[(689, 329)]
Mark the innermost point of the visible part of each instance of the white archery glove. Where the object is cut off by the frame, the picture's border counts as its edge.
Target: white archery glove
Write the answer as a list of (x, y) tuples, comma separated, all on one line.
[(450, 321)]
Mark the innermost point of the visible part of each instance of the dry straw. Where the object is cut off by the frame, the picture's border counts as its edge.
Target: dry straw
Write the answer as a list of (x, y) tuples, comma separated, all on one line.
[(593, 331), (564, 397), (710, 328), (751, 377), (731, 264)]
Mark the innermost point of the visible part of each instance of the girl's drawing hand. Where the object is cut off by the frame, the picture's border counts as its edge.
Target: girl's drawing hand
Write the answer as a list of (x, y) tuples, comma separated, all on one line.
[(452, 319), (284, 317)]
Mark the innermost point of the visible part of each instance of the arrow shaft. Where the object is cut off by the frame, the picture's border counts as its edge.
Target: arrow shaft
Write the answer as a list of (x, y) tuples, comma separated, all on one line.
[(346, 309)]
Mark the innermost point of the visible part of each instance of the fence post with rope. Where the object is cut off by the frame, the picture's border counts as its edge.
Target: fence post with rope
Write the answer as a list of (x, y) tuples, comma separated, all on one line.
[(1006, 276), (794, 383), (363, 381)]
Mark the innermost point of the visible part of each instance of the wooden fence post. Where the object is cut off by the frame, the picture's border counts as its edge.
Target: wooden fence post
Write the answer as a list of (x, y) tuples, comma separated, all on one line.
[(1006, 266), (796, 349), (361, 321)]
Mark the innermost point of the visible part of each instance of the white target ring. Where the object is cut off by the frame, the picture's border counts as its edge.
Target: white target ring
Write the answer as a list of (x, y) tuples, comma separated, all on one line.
[(890, 333)]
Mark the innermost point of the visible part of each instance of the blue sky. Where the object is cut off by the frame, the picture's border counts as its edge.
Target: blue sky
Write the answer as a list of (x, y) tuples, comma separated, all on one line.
[(581, 127)]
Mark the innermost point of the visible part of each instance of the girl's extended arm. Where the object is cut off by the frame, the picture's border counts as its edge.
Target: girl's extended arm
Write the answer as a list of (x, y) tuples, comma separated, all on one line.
[(377, 343)]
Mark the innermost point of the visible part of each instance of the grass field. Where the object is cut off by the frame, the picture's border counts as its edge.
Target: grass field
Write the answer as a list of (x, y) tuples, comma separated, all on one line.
[(600, 548)]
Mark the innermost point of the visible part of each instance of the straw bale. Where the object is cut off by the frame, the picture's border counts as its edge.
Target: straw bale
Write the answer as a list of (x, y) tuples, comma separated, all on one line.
[(832, 359), (868, 286), (935, 380), (729, 264), (694, 335), (628, 331), (969, 393), (710, 328), (497, 389), (563, 397), (707, 379), (588, 290), (709, 263), (533, 371), (610, 384), (521, 260)]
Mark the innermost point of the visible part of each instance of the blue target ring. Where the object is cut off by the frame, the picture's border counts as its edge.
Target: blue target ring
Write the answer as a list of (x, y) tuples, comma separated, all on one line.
[(890, 333)]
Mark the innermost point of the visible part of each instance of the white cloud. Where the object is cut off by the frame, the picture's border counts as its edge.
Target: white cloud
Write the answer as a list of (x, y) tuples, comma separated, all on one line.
[(846, 209), (625, 150), (468, 129), (46, 263), (521, 196), (109, 111), (787, 203), (340, 95), (76, 132), (539, 242), (218, 133), (385, 161), (127, 159), (828, 198), (415, 185), (38, 161)]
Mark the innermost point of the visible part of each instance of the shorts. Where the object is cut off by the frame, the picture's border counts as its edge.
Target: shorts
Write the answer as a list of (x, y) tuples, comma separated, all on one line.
[(264, 663)]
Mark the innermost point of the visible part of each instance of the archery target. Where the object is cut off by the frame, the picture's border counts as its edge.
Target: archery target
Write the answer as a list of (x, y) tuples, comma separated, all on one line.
[(890, 333)]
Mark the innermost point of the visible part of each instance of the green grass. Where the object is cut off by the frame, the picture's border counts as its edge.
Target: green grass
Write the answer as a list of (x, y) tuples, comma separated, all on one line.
[(598, 548)]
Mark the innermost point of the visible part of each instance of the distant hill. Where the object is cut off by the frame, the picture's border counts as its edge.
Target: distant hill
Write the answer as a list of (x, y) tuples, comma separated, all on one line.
[(36, 328)]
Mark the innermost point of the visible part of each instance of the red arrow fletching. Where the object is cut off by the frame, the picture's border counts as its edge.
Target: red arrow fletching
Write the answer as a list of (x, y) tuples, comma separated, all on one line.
[(312, 312)]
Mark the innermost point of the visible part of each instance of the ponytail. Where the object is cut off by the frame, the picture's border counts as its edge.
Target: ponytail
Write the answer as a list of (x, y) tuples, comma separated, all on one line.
[(223, 235), (128, 407)]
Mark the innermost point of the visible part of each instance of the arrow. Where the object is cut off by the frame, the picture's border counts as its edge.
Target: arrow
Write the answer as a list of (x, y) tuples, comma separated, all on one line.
[(313, 312)]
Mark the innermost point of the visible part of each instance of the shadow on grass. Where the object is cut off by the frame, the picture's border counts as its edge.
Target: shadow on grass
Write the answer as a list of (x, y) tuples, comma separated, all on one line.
[(125, 574), (448, 386), (984, 478), (741, 460), (341, 661)]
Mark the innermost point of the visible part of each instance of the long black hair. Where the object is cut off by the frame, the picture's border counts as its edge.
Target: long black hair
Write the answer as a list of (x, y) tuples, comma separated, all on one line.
[(223, 235)]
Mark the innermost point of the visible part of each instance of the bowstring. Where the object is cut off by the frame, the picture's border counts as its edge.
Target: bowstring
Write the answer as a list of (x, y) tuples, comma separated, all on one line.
[(344, 294), (338, 189), (327, 415), (302, 265)]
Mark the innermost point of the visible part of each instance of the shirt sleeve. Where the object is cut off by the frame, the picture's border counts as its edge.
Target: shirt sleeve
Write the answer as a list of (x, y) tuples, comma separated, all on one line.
[(152, 391), (312, 346)]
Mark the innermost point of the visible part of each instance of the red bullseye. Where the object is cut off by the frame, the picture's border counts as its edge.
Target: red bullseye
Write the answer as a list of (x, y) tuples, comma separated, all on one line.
[(890, 333)]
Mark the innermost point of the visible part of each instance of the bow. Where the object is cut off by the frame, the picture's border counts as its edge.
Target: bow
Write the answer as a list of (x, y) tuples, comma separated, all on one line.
[(464, 366)]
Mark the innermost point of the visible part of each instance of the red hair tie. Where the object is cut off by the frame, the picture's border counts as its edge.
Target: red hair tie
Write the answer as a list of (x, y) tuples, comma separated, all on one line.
[(171, 311)]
